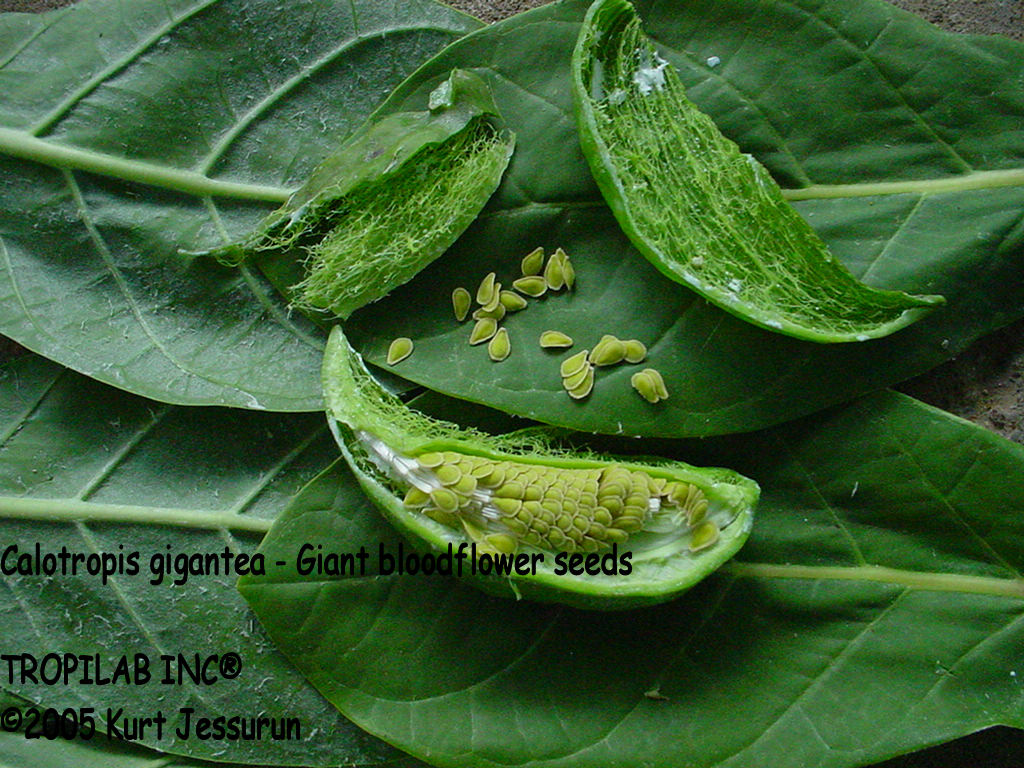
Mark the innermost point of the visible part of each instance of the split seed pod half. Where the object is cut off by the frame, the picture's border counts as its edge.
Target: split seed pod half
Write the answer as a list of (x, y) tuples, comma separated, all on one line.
[(388, 202), (520, 494), (705, 214)]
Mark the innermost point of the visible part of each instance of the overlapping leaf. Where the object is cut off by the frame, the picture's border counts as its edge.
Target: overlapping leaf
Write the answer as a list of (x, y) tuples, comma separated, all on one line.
[(900, 144), (877, 608), (88, 468), (131, 130)]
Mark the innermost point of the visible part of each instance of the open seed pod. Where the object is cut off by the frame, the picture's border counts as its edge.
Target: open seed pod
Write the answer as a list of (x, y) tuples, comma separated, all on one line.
[(639, 531), (388, 202)]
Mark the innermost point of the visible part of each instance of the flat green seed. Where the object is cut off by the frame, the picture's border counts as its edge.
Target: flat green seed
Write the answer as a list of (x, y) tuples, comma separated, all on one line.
[(645, 385), (445, 499), (414, 497), (532, 539), (533, 262), (502, 543), (574, 364), (508, 507), (568, 271), (444, 518), (485, 291), (556, 537), (511, 301), (703, 536), (585, 388), (448, 474), (484, 330), (430, 460), (555, 340), (532, 493), (697, 513), (553, 274), (608, 351), (510, 490), (615, 536), (499, 347), (571, 382), (399, 349), (541, 527), (495, 301), (596, 531), (496, 313), (636, 351), (659, 383), (602, 516), (589, 545), (628, 524), (465, 485), (460, 303), (516, 526), (531, 285)]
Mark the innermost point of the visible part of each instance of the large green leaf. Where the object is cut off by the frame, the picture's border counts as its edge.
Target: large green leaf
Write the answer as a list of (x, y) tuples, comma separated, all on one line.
[(902, 145), (88, 468), (130, 130), (877, 608)]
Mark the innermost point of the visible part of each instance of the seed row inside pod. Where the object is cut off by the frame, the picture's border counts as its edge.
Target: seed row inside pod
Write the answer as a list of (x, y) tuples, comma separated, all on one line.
[(504, 505)]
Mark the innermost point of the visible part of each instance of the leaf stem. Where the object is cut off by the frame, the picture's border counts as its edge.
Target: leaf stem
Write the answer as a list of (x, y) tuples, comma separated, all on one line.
[(1013, 177), (26, 147), (935, 582), (74, 510)]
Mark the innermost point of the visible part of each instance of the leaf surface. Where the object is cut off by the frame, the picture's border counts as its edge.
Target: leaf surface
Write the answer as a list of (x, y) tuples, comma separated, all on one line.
[(130, 130), (85, 467), (877, 608), (901, 146)]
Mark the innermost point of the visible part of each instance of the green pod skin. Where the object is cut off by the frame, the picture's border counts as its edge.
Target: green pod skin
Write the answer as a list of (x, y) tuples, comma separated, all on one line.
[(363, 417), (705, 214), (388, 202)]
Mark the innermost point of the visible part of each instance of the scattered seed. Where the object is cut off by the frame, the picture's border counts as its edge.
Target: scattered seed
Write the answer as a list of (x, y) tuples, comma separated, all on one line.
[(608, 351), (499, 347), (584, 388), (400, 349), (636, 351), (649, 384), (460, 303), (574, 364), (568, 271), (496, 313), (486, 289), (554, 276), (555, 340), (533, 262), (703, 536), (495, 300), (533, 286), (574, 380), (512, 301), (484, 329)]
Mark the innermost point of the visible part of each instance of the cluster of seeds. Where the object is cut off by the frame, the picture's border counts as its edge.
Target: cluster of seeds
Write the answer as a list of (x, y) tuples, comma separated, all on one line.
[(505, 504), (649, 384), (577, 371)]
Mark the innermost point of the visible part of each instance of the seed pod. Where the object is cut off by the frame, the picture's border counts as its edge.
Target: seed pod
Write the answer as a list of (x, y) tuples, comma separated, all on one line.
[(531, 496), (682, 191), (555, 340), (499, 347), (484, 329), (399, 349), (461, 301), (388, 202), (533, 262), (533, 286), (511, 301)]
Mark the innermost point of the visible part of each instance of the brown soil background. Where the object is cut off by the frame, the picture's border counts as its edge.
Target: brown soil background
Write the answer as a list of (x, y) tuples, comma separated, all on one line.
[(984, 384)]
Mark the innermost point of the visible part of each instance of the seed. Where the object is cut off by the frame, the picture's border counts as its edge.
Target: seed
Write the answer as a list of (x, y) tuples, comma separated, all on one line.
[(445, 499), (511, 301), (460, 303), (553, 274), (574, 364), (608, 351), (495, 301), (498, 313), (649, 384), (555, 340), (571, 382), (703, 536), (484, 329), (499, 347), (583, 389), (636, 351), (659, 382), (486, 289), (430, 460), (533, 286), (533, 262), (399, 349), (568, 271)]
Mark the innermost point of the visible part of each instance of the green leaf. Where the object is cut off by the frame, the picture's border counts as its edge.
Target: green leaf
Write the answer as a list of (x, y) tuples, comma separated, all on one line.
[(131, 130), (705, 214), (900, 145), (88, 468), (877, 608)]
